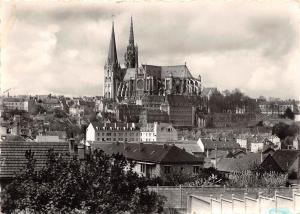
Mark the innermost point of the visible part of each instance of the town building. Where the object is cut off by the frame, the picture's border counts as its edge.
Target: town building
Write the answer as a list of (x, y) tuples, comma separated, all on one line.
[(207, 145), (151, 102), (112, 132), (180, 110), (134, 82), (15, 103), (128, 112), (154, 160), (156, 131)]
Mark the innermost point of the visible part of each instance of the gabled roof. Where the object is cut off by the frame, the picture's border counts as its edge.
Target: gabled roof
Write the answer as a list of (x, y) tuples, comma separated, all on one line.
[(151, 153), (285, 158), (13, 160), (240, 164), (191, 148)]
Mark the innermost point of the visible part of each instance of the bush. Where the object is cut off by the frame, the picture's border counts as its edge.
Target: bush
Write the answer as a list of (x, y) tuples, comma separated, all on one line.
[(99, 184)]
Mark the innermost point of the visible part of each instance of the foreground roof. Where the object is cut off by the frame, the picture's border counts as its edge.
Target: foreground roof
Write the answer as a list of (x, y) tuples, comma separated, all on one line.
[(152, 153), (13, 160)]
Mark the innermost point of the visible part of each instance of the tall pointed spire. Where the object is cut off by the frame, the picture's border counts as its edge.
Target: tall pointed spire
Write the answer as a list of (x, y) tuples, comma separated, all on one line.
[(112, 51), (131, 36), (131, 54)]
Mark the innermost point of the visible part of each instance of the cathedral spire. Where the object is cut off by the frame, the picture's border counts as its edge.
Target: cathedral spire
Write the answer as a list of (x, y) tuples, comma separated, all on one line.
[(131, 36), (131, 54), (112, 51)]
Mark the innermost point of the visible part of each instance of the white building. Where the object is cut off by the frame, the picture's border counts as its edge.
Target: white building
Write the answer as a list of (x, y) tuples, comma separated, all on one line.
[(12, 103), (162, 132), (112, 132)]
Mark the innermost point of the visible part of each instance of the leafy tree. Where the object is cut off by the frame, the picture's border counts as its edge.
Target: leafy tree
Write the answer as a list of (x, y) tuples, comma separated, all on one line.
[(289, 114), (98, 184)]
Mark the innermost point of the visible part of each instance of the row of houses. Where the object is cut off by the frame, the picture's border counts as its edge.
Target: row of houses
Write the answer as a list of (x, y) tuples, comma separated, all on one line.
[(130, 132)]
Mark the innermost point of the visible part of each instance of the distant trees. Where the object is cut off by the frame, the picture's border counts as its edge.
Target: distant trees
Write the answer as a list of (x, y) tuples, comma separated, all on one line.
[(99, 184), (289, 114), (231, 101)]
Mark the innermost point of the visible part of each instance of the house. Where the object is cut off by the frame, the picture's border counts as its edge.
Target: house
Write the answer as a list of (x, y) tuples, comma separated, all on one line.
[(190, 147), (209, 144), (112, 132), (23, 104), (163, 132), (237, 165), (104, 105), (283, 161), (154, 160)]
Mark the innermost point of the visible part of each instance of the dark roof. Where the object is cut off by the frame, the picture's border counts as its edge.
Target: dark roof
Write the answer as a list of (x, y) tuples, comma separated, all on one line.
[(219, 144), (153, 153), (285, 158), (13, 160), (180, 71), (240, 164)]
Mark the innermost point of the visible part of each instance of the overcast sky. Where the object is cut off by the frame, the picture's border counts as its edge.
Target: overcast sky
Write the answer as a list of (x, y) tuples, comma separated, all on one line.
[(61, 48)]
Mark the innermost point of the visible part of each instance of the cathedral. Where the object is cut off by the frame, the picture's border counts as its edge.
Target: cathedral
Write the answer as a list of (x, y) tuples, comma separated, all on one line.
[(134, 81)]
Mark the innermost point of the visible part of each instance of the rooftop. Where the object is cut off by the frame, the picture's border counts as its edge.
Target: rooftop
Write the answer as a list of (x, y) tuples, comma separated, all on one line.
[(151, 153)]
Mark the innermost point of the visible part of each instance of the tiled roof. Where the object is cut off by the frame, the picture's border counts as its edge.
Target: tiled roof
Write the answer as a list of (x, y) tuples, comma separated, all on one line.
[(177, 71), (191, 148), (285, 158), (239, 164), (153, 153), (219, 144), (13, 160)]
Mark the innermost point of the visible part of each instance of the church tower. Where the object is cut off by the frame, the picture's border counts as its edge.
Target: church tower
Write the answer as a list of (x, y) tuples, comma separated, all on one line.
[(131, 55), (111, 69)]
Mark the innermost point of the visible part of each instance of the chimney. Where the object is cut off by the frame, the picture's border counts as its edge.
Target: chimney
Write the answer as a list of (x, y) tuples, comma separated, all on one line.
[(81, 152)]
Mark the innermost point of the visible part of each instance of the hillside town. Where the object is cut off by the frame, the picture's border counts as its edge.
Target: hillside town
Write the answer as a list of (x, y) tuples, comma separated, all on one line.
[(200, 147)]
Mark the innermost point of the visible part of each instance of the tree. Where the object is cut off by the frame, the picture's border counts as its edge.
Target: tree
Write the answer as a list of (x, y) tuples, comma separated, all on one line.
[(98, 184), (289, 114)]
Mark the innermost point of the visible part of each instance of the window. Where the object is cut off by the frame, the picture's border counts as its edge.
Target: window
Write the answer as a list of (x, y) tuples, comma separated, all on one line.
[(196, 169), (108, 139), (167, 169), (143, 168)]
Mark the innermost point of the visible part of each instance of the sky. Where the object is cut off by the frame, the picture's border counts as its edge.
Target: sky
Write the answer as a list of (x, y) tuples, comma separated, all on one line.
[(61, 47)]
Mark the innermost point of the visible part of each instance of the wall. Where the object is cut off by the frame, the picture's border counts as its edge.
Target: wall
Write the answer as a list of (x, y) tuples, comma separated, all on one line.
[(261, 205)]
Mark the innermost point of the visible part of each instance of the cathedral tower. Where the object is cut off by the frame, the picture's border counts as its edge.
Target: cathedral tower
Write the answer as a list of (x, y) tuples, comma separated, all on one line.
[(111, 68), (131, 55)]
